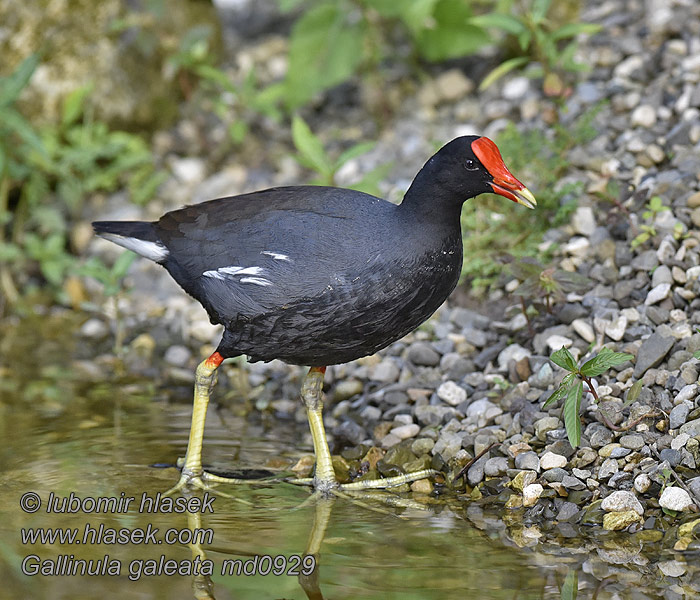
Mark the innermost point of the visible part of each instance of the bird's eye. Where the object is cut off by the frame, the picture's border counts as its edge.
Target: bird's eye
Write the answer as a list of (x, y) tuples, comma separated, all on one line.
[(470, 165)]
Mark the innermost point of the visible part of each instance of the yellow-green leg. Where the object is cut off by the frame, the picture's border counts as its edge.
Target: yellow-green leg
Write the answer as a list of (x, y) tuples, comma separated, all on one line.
[(324, 480), (192, 472)]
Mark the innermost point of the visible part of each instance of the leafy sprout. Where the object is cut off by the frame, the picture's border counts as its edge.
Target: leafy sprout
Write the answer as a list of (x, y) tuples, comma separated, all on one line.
[(312, 154), (571, 387)]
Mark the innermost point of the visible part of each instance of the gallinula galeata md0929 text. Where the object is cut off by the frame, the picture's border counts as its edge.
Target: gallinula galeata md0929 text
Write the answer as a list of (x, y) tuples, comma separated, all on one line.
[(318, 276)]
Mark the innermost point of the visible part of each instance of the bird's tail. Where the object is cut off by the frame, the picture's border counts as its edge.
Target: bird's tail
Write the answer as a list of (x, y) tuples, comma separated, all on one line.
[(139, 236)]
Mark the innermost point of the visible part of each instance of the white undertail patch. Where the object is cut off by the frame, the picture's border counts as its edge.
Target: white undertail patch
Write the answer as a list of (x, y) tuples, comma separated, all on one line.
[(154, 251)]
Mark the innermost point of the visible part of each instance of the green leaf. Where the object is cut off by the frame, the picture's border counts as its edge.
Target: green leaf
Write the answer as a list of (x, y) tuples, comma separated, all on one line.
[(569, 589), (540, 9), (507, 23), (416, 14), (325, 49), (352, 152), (572, 406), (561, 391), (502, 69), (563, 358), (573, 29), (633, 393), (369, 184), (605, 360), (122, 264), (12, 85), (74, 103), (453, 35), (310, 147), (20, 127)]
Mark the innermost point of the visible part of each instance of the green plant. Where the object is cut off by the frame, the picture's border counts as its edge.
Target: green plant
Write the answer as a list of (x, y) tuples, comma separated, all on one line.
[(547, 284), (202, 82), (571, 387), (540, 39), (46, 173), (648, 231), (493, 228), (311, 154), (336, 39)]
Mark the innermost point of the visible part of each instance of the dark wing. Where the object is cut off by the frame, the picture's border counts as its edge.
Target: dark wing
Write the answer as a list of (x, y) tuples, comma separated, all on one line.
[(253, 253)]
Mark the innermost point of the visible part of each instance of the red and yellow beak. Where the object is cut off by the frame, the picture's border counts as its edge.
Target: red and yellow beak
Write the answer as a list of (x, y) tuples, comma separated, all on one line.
[(503, 182)]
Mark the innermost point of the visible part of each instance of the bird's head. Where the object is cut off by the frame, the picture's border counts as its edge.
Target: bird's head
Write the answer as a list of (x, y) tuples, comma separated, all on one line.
[(472, 165)]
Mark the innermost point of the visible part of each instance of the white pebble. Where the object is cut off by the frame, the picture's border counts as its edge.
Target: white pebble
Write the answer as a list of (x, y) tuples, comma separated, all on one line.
[(550, 460), (584, 329), (451, 393), (406, 431), (621, 501), (658, 293), (557, 341), (532, 493), (675, 498), (644, 116), (642, 483)]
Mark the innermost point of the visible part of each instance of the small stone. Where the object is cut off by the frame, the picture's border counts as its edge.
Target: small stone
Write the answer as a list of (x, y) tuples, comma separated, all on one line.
[(403, 432), (671, 568), (572, 483), (583, 220), (390, 440), (422, 446), (555, 342), (584, 329), (633, 442), (621, 501), (542, 426), (678, 442), (516, 88), (522, 480), (531, 494), (687, 392), (451, 393), (423, 354), (550, 460), (675, 498), (513, 352), (658, 293), (617, 521), (673, 457), (608, 468), (642, 483), (527, 461), (567, 511), (386, 371), (653, 350), (662, 274), (678, 416), (422, 486), (94, 329), (644, 116), (496, 466), (616, 329), (177, 355), (453, 85)]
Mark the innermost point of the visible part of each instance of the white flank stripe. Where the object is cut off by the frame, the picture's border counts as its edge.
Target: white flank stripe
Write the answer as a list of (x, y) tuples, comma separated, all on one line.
[(151, 250), (256, 281), (276, 255)]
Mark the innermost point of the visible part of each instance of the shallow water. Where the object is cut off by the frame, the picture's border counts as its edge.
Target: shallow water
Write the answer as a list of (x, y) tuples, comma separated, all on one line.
[(62, 434)]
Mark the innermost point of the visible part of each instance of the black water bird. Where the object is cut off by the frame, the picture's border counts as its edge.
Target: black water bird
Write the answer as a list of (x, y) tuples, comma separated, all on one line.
[(318, 276)]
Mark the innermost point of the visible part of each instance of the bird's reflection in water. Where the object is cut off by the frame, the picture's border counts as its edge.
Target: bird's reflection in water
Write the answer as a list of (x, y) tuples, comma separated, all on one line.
[(203, 586)]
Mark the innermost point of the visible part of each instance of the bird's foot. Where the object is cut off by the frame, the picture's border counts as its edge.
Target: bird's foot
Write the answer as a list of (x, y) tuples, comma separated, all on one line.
[(202, 480), (331, 486)]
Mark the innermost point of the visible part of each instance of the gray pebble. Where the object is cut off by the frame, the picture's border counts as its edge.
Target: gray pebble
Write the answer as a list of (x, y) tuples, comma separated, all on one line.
[(527, 461)]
